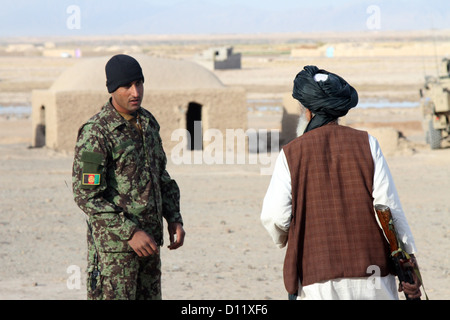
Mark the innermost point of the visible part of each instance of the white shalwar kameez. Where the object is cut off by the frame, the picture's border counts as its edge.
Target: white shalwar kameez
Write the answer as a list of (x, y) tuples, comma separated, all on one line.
[(276, 217)]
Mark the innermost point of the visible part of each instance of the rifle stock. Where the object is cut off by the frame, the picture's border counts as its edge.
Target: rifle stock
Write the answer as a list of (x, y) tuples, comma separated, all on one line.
[(398, 256), (385, 218)]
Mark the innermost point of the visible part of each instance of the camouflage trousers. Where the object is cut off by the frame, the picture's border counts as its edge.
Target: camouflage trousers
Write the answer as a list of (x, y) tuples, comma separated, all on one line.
[(125, 276)]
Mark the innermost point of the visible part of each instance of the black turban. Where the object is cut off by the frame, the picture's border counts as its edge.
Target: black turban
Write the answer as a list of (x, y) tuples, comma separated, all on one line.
[(328, 99)]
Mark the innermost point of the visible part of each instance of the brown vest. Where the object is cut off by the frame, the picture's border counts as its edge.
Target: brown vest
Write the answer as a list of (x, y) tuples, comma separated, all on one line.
[(333, 233)]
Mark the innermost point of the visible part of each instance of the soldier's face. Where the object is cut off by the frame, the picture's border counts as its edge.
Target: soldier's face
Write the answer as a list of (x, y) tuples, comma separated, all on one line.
[(127, 99)]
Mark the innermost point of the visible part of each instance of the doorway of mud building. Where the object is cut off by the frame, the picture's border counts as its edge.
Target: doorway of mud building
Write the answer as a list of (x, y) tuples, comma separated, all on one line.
[(194, 126), (40, 129)]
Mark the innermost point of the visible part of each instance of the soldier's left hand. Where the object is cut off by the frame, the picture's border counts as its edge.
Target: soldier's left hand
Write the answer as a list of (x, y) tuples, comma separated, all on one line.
[(176, 235)]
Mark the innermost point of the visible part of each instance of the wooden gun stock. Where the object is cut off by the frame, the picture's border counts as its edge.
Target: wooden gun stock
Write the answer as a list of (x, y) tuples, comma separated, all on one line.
[(385, 218), (398, 256)]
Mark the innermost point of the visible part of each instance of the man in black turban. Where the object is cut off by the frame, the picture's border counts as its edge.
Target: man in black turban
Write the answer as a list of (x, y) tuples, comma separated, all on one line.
[(327, 95), (320, 201)]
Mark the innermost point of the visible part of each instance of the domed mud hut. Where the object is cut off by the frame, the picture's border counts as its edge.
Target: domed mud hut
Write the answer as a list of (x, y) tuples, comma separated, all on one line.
[(178, 93)]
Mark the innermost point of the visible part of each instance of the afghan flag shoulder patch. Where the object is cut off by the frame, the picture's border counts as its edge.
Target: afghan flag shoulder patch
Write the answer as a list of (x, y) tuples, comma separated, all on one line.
[(91, 179)]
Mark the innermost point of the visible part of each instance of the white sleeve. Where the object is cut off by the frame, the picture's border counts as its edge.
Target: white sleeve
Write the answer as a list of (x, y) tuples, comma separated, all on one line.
[(277, 206), (384, 192)]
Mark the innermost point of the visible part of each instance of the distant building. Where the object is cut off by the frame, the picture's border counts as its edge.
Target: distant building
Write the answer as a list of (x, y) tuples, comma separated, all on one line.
[(219, 58), (289, 120), (59, 53), (178, 93), (374, 49)]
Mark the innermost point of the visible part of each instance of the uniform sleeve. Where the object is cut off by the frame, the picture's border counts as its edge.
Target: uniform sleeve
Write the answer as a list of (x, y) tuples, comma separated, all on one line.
[(89, 182), (170, 197), (277, 205), (170, 192), (385, 192)]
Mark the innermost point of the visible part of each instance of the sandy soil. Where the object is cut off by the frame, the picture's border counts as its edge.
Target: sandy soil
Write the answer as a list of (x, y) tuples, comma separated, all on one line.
[(227, 253)]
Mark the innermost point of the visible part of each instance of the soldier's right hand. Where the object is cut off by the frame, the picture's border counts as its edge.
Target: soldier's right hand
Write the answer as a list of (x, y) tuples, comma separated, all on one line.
[(143, 244)]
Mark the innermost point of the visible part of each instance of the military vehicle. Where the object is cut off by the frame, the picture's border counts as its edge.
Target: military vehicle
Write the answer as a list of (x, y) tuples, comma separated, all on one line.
[(435, 104)]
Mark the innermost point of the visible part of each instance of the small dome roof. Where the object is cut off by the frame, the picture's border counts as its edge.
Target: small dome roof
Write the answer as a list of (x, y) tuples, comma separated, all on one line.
[(159, 74)]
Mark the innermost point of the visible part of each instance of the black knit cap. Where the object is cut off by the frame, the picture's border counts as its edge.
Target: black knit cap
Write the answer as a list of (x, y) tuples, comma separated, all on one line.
[(121, 70)]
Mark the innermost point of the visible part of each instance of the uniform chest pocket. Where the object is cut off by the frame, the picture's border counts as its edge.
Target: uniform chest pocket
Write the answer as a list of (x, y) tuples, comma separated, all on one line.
[(123, 149), (126, 156)]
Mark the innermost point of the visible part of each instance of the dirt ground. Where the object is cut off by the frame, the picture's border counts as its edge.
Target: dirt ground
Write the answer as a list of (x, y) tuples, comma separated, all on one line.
[(227, 253)]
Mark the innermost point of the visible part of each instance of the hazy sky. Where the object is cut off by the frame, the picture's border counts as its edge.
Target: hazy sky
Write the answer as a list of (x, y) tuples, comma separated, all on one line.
[(263, 4), (97, 17)]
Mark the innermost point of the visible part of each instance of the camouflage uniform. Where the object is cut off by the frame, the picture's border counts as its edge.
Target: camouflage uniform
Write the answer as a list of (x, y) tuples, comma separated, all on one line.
[(120, 181)]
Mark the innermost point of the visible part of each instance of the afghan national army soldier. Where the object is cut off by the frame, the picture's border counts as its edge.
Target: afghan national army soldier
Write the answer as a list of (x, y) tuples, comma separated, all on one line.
[(120, 181)]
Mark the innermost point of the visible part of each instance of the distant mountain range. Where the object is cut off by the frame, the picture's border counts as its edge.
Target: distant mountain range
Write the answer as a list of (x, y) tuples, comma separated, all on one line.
[(101, 17)]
